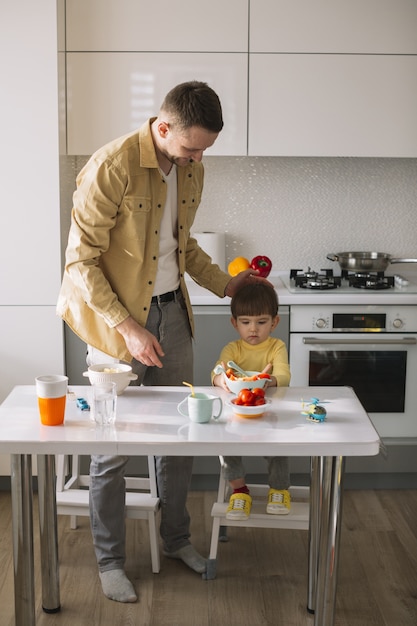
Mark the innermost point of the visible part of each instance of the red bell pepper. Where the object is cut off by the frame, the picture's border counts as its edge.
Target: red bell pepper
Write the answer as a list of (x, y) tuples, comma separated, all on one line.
[(263, 264)]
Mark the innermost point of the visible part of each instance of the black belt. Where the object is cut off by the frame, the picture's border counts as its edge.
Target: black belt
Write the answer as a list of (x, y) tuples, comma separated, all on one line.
[(166, 297)]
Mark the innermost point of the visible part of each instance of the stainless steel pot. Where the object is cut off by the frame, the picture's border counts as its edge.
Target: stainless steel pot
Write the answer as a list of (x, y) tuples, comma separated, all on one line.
[(366, 261)]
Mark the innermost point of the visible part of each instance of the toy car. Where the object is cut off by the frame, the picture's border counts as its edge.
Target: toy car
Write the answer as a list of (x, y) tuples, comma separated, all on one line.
[(83, 404)]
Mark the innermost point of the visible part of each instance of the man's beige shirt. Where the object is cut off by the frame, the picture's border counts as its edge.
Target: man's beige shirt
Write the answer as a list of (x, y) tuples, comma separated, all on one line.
[(113, 244)]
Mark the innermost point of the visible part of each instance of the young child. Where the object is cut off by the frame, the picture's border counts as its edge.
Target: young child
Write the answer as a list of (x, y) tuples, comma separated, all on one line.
[(255, 315)]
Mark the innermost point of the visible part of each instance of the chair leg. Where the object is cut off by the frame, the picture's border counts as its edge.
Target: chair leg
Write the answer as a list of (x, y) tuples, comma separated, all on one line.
[(153, 540), (211, 570), (215, 531), (223, 536), (218, 533)]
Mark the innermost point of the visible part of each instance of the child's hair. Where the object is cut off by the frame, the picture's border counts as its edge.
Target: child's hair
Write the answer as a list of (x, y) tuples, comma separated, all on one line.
[(256, 299)]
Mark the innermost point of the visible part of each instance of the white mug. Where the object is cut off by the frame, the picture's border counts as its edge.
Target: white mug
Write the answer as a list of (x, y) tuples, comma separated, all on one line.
[(200, 407)]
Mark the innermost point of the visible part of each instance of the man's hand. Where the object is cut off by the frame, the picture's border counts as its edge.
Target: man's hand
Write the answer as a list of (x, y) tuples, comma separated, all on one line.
[(142, 345), (247, 277)]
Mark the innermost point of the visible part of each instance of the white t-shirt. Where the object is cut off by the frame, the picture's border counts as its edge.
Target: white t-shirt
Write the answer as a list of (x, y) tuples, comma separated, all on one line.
[(168, 274)]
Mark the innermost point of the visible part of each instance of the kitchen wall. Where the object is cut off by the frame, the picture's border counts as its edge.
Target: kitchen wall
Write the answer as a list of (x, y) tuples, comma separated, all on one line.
[(297, 210)]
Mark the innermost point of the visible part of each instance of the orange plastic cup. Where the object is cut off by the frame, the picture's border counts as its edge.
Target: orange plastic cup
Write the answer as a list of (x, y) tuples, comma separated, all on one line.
[(52, 395), (52, 410)]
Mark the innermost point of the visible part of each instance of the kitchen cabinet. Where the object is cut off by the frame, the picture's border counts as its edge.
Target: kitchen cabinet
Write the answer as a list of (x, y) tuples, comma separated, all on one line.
[(111, 94), (340, 78), (124, 56), (29, 239), (327, 27), (333, 105), (157, 26)]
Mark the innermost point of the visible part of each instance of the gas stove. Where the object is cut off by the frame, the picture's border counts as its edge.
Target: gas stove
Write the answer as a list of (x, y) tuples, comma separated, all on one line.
[(370, 280), (325, 279), (323, 286), (310, 279)]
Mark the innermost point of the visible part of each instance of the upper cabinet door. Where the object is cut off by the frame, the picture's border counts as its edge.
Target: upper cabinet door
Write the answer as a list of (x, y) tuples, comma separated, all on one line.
[(157, 25), (332, 105), (111, 94), (334, 26)]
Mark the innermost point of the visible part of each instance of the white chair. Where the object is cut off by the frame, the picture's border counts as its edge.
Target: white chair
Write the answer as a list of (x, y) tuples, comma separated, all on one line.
[(142, 502), (297, 519)]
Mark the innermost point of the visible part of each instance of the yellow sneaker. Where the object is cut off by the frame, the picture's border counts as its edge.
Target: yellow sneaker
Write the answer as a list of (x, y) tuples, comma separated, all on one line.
[(279, 502), (239, 507)]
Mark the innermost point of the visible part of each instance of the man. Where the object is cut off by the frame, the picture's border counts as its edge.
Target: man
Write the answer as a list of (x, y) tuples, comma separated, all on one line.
[(124, 294)]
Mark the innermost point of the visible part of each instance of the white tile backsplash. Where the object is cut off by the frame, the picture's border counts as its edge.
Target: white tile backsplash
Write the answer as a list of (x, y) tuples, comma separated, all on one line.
[(296, 210)]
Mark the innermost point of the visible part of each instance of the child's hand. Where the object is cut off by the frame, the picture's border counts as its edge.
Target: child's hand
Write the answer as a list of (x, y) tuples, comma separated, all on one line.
[(220, 381), (272, 382)]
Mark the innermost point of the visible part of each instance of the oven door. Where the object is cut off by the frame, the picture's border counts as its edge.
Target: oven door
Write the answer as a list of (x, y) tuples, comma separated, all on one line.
[(382, 370)]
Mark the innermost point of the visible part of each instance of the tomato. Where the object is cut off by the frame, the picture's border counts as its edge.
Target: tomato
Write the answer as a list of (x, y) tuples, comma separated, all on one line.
[(239, 264), (237, 401), (246, 396), (259, 401), (264, 376), (258, 392)]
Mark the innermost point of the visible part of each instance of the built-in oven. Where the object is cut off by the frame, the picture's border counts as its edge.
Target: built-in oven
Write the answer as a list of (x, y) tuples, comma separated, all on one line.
[(372, 348)]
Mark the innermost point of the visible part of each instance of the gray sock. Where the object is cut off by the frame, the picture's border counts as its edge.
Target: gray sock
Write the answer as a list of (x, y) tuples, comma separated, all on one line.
[(190, 557), (117, 586)]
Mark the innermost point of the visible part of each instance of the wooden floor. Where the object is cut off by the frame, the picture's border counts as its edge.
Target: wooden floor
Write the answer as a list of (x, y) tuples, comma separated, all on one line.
[(262, 574)]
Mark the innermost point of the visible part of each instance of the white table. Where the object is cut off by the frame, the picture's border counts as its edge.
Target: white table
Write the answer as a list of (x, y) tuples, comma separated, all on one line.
[(148, 423)]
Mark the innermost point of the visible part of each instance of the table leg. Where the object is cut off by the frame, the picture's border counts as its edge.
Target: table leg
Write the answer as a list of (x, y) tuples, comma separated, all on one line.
[(48, 533), (22, 524), (316, 474), (329, 540)]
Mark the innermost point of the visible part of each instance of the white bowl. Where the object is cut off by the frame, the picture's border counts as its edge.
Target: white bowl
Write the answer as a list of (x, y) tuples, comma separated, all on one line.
[(118, 373), (236, 385), (250, 412)]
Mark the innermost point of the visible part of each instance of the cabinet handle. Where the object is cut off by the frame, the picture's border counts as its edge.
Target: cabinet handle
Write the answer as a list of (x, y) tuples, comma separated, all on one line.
[(411, 341)]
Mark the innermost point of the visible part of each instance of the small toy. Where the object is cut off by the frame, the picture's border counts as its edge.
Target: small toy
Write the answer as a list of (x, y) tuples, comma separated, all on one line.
[(314, 412), (83, 404)]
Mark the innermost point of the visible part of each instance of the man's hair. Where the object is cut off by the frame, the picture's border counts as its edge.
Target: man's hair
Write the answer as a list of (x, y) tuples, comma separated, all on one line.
[(256, 299), (194, 104)]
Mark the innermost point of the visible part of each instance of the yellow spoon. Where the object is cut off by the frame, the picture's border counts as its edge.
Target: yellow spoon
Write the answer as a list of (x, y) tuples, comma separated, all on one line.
[(189, 385)]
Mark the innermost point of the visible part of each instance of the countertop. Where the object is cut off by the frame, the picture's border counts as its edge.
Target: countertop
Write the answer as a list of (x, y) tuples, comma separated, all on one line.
[(202, 297), (398, 296)]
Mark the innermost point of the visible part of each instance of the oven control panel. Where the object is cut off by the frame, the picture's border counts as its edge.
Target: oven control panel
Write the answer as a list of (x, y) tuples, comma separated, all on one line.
[(353, 319)]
